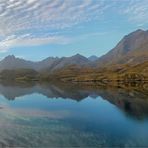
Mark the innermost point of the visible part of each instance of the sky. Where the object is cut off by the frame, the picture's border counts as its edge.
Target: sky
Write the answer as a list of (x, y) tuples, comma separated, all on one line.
[(36, 29)]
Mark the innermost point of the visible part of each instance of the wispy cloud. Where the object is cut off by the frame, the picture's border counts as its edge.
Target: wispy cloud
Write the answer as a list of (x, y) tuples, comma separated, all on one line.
[(29, 40), (34, 15), (136, 11), (21, 17), (24, 22)]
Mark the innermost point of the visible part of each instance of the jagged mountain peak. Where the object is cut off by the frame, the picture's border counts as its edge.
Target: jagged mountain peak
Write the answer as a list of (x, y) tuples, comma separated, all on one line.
[(50, 63), (132, 41), (10, 57), (137, 33), (78, 56), (50, 58)]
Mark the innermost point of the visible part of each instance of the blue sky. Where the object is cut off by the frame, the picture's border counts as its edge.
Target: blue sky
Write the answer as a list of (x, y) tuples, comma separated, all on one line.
[(36, 29)]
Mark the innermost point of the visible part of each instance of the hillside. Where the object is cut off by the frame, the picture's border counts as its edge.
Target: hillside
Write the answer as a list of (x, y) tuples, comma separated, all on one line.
[(132, 49), (126, 73), (19, 75)]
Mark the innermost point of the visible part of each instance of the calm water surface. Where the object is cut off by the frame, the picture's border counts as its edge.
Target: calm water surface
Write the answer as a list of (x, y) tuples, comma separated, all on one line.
[(71, 116)]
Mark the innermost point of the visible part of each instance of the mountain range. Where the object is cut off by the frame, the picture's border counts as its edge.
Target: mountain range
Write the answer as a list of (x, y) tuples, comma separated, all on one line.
[(51, 63), (131, 51)]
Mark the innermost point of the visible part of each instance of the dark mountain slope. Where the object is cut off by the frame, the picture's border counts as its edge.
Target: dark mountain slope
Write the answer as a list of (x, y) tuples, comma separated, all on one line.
[(12, 63)]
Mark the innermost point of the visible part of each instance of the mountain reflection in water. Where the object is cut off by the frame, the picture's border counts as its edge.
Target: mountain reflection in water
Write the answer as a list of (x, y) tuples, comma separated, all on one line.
[(56, 115), (132, 102)]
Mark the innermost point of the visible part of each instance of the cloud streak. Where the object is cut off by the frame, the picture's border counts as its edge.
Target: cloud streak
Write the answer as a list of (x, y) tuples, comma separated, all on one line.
[(136, 11), (22, 17), (29, 40), (34, 15), (24, 22)]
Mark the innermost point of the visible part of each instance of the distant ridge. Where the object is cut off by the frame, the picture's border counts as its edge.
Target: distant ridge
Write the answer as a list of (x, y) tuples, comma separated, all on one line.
[(11, 63), (93, 58)]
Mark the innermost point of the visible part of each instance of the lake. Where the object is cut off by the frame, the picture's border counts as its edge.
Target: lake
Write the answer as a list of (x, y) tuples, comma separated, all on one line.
[(60, 115)]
